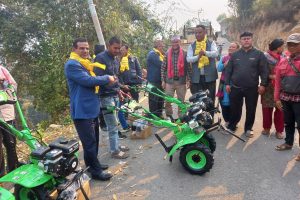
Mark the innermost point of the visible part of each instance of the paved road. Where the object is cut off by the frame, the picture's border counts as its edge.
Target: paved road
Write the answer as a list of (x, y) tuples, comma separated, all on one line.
[(242, 171)]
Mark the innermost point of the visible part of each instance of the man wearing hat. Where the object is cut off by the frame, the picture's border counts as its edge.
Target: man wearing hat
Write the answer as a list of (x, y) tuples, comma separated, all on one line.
[(287, 91), (175, 74), (273, 55), (242, 74)]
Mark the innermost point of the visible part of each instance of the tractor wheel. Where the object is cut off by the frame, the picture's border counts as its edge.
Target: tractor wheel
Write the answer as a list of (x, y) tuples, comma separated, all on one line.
[(209, 141), (196, 158), (23, 193)]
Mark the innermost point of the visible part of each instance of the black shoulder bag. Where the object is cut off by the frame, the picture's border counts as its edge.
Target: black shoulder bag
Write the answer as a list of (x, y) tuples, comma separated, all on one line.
[(293, 66)]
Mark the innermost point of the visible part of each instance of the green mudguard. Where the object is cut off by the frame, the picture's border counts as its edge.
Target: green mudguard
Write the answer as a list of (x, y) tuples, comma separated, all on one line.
[(187, 139), (6, 195), (28, 176)]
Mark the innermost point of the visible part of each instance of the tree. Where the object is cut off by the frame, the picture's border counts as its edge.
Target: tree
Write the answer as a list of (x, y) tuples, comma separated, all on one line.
[(37, 37), (221, 17)]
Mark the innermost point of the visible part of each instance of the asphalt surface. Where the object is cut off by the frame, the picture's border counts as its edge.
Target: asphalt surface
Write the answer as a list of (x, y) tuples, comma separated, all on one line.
[(253, 170)]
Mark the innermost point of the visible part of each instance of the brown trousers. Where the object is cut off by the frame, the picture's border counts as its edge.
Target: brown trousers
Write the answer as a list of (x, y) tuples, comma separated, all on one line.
[(170, 90)]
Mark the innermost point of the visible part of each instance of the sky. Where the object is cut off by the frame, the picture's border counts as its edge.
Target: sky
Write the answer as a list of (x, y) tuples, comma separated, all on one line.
[(182, 10)]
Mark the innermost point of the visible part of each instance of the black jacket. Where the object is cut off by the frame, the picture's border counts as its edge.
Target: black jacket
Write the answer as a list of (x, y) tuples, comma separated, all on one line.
[(133, 75), (245, 68)]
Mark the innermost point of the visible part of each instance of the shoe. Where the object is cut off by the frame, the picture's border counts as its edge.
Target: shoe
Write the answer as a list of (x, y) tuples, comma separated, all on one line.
[(104, 166), (121, 136), (284, 147), (249, 134), (103, 176), (119, 155), (126, 130), (123, 148), (104, 128), (168, 119), (228, 130), (297, 157), (226, 124), (279, 135), (265, 132)]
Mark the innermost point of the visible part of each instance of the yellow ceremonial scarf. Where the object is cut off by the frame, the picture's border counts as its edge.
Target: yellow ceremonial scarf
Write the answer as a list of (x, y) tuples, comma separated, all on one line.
[(161, 56), (86, 63), (124, 64), (203, 61)]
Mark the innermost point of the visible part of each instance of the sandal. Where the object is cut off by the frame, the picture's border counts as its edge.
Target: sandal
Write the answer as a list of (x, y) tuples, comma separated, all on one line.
[(279, 135), (298, 157), (119, 155), (123, 148), (283, 147), (265, 132)]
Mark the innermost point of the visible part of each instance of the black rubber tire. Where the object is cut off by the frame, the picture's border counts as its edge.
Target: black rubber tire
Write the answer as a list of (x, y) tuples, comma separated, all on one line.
[(39, 193), (212, 145), (205, 152)]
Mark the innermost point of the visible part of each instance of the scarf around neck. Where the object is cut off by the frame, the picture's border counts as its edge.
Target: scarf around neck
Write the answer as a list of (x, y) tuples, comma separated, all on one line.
[(180, 63), (203, 61), (124, 64), (161, 56), (88, 65)]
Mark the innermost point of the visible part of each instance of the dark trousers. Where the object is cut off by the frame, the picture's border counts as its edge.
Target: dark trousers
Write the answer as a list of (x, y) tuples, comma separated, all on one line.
[(225, 113), (135, 95), (202, 85), (101, 120), (156, 103), (9, 142), (88, 132), (237, 96), (291, 111)]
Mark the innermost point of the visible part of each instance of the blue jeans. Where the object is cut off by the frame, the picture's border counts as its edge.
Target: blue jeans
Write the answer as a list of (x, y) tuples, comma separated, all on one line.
[(111, 121), (122, 118)]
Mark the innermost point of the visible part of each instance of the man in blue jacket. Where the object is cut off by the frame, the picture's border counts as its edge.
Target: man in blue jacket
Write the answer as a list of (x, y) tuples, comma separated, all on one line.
[(154, 62), (85, 105)]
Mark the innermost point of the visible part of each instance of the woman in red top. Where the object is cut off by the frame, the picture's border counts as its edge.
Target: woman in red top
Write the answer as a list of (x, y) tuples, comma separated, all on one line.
[(274, 55), (287, 91)]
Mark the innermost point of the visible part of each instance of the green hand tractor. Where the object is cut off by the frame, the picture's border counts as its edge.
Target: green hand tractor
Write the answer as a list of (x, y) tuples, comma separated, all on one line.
[(52, 170), (192, 130)]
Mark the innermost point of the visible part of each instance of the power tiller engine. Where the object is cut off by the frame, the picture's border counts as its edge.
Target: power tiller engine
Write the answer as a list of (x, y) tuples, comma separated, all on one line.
[(200, 111), (58, 159)]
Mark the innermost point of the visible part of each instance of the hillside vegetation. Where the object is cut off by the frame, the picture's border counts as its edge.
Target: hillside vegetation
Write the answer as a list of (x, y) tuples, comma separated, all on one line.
[(268, 19), (36, 38)]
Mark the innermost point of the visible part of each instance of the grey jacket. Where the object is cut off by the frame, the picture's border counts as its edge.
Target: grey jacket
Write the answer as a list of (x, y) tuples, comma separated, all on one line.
[(209, 71)]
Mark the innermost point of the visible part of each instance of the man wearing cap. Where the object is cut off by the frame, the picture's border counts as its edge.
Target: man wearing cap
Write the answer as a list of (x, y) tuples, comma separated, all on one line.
[(175, 74), (287, 91), (202, 56), (242, 74)]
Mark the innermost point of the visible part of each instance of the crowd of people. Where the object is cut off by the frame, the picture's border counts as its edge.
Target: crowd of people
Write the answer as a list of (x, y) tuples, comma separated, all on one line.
[(246, 73), (96, 86)]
